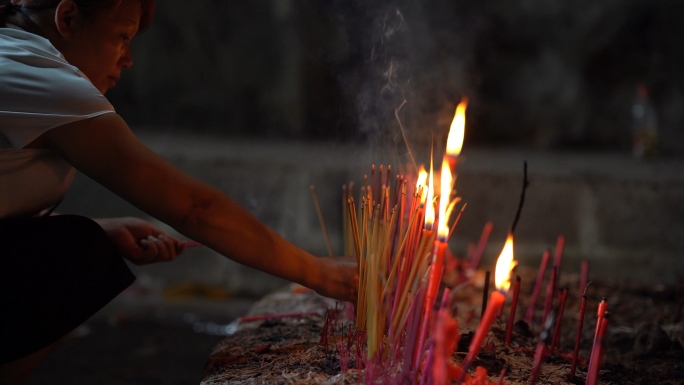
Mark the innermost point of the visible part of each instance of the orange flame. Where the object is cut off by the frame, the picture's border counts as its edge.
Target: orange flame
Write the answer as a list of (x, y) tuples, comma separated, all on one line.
[(504, 265), (429, 204), (445, 193), (421, 184), (457, 130)]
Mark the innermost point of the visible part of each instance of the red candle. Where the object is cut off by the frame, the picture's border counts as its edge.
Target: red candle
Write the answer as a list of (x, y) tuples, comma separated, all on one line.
[(602, 307), (433, 285), (597, 352), (496, 301), (596, 348), (502, 278)]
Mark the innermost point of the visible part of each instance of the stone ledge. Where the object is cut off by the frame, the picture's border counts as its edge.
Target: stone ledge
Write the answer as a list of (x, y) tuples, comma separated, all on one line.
[(271, 351)]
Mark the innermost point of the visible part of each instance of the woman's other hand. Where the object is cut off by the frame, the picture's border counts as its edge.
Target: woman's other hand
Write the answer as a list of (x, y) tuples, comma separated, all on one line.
[(140, 242), (338, 278)]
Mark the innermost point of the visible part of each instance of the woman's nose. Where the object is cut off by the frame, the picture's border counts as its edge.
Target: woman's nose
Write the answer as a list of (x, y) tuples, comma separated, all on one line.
[(126, 60)]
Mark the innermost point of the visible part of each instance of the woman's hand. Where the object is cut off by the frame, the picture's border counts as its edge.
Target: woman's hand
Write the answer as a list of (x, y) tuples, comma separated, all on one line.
[(338, 278), (140, 242)]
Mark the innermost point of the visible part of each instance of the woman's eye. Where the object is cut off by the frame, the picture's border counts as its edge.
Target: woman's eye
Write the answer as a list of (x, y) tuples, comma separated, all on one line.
[(125, 38)]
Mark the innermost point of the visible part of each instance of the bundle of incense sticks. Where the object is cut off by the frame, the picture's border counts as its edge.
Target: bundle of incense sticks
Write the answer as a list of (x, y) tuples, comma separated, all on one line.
[(392, 233)]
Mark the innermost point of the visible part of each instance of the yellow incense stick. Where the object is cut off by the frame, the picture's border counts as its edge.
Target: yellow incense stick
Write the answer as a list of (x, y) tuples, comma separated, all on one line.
[(320, 218)]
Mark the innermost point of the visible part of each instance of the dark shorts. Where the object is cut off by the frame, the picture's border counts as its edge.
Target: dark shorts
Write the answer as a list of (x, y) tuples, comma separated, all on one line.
[(55, 273)]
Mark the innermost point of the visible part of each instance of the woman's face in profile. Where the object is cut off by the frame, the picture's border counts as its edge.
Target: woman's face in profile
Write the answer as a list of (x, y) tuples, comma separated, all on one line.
[(101, 48)]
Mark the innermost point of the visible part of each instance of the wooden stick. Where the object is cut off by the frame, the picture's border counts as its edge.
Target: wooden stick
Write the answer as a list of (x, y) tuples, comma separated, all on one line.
[(320, 218), (458, 219), (522, 198), (485, 293)]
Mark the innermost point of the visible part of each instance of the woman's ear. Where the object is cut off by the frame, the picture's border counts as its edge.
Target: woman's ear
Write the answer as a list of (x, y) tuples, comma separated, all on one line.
[(67, 17)]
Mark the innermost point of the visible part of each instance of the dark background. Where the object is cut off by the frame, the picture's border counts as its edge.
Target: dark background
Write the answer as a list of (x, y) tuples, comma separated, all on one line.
[(549, 75), (215, 83)]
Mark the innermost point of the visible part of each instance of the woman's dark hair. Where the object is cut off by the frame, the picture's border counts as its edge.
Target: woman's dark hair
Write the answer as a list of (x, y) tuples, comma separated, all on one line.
[(93, 7), (90, 8)]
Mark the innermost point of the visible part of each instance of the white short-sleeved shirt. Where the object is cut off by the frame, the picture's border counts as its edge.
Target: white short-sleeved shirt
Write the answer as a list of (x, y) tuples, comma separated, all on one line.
[(39, 91)]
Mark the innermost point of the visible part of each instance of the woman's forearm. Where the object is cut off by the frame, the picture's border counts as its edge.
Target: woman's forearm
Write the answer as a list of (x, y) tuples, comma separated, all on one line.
[(222, 224)]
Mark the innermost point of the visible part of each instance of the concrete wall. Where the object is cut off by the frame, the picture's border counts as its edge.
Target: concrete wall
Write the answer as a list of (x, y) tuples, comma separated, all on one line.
[(543, 74), (621, 215)]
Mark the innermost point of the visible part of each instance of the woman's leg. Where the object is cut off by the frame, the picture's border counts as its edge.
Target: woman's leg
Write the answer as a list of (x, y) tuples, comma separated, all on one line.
[(19, 371), (63, 269)]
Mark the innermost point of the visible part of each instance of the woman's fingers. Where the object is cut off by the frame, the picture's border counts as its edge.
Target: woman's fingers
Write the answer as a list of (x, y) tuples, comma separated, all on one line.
[(167, 248), (159, 248)]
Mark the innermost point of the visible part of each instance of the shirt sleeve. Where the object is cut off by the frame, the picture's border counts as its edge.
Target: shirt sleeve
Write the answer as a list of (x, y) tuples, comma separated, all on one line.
[(39, 91)]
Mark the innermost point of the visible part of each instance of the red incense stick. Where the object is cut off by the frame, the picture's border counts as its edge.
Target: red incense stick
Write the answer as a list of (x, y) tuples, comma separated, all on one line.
[(529, 315), (540, 351), (550, 289), (584, 274), (481, 244), (511, 317), (561, 307), (501, 376), (578, 336), (558, 255)]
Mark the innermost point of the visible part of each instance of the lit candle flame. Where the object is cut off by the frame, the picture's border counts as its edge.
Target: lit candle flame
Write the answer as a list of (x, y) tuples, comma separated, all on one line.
[(504, 265), (420, 184), (445, 193), (429, 204), (457, 130)]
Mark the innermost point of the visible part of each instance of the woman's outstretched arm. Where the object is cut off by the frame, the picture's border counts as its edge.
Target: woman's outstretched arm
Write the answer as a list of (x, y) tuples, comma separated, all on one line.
[(105, 149)]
